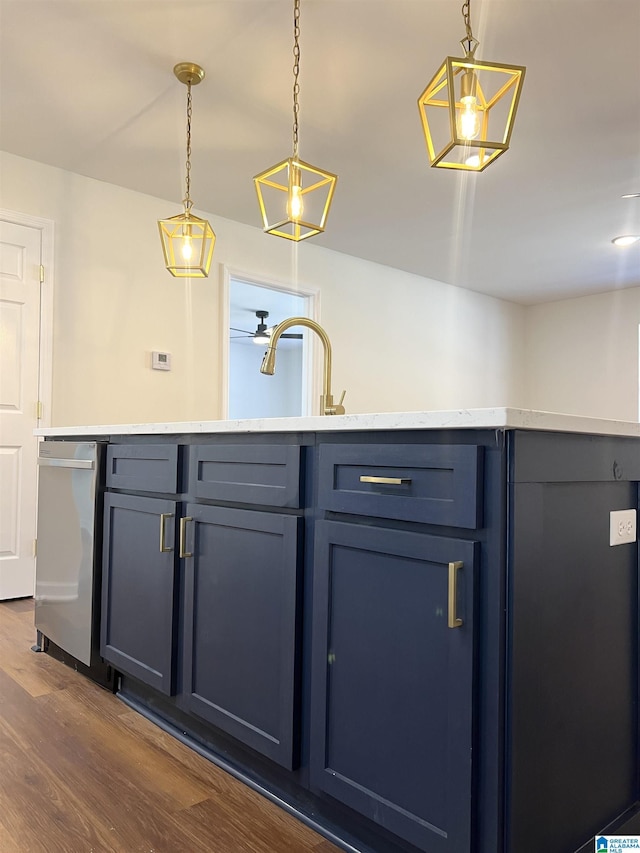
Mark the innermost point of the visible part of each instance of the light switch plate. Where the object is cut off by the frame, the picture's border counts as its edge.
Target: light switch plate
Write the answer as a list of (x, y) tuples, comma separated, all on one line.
[(622, 526)]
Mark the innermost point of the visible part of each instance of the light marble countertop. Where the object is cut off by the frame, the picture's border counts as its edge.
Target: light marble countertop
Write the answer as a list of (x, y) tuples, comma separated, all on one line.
[(495, 418)]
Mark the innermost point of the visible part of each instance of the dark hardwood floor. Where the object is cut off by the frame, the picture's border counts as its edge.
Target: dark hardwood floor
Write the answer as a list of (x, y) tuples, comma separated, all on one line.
[(82, 773)]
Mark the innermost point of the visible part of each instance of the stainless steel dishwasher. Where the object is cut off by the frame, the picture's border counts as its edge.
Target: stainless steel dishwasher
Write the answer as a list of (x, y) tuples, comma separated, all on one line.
[(67, 598)]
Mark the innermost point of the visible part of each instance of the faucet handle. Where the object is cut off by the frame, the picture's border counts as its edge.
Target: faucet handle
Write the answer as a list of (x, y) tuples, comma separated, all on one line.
[(338, 409)]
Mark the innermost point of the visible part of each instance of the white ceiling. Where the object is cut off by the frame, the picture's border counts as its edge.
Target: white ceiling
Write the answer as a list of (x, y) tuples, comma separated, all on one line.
[(87, 85)]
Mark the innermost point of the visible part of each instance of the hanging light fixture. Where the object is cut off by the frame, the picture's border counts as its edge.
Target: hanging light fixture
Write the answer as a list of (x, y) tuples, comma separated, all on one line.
[(262, 333), (469, 107), (295, 197), (187, 240)]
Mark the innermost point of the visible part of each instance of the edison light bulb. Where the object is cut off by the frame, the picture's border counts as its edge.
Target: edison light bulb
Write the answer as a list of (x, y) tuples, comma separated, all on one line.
[(187, 247), (295, 202), (468, 119), (295, 206)]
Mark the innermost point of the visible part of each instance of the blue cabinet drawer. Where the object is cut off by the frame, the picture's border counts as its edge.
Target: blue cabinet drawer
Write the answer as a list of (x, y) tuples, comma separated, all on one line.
[(432, 484), (143, 467), (252, 474)]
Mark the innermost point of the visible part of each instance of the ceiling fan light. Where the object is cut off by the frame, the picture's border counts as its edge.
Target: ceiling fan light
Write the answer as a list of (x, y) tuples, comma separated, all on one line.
[(262, 338)]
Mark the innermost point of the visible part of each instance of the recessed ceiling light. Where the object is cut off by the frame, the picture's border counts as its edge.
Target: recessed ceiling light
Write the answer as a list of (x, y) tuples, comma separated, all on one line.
[(631, 195), (626, 240)]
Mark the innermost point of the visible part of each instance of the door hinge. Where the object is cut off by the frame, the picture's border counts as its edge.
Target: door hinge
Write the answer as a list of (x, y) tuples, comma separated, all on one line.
[(35, 547), (41, 273), (39, 409)]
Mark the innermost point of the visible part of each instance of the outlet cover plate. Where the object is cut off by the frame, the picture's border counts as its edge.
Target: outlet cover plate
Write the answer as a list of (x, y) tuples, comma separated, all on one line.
[(622, 526)]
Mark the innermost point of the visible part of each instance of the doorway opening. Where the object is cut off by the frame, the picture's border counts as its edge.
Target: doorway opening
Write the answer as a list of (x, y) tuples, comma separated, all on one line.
[(254, 308)]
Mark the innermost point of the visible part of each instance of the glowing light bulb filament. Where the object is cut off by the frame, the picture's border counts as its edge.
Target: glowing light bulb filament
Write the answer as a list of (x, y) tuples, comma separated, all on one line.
[(187, 248), (187, 243), (469, 118), (295, 205)]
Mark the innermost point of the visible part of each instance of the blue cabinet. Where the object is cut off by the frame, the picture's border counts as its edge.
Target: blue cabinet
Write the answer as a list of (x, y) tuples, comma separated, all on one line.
[(139, 589), (392, 690), (241, 632), (235, 570), (422, 640), (573, 643)]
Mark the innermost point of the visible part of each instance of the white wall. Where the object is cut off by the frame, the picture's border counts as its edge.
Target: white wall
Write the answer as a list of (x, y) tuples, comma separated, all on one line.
[(401, 342), (582, 355), (254, 395)]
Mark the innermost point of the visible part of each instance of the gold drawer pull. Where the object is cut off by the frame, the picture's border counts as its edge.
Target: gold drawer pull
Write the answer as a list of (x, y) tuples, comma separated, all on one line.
[(454, 621), (183, 536), (387, 481), (163, 518)]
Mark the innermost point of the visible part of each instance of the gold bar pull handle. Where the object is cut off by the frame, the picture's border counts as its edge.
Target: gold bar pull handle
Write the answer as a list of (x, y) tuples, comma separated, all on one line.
[(453, 621), (183, 536), (387, 481), (163, 518)]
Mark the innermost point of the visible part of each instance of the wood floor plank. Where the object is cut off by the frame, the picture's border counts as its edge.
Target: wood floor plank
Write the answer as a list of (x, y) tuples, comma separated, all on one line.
[(36, 806), (37, 673), (122, 798), (20, 605), (80, 772), (8, 841), (225, 824), (148, 768), (325, 847)]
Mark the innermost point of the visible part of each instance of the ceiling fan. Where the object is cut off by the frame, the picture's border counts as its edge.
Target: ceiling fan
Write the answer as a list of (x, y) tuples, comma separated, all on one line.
[(262, 333)]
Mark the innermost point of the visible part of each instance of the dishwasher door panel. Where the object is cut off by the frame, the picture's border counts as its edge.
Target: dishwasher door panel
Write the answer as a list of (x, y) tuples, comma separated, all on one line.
[(65, 563)]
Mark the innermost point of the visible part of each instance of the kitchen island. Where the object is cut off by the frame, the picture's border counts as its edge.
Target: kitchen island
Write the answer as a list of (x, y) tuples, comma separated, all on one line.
[(411, 629)]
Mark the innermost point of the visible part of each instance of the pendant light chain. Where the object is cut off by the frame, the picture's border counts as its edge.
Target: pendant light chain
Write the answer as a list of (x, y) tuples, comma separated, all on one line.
[(469, 42), (188, 204), (466, 14), (296, 73)]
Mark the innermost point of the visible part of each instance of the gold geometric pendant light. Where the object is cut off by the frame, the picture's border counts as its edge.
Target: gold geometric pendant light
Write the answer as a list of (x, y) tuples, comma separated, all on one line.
[(469, 107), (187, 240), (294, 196)]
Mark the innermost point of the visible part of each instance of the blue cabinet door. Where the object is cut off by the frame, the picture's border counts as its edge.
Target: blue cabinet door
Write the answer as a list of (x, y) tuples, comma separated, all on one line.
[(139, 591), (392, 684), (241, 625)]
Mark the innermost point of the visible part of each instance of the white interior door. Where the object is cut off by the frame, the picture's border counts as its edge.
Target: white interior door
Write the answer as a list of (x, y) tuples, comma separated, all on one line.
[(20, 259)]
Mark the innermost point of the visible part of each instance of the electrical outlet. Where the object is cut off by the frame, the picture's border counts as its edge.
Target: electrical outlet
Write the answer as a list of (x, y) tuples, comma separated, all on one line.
[(622, 526)]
